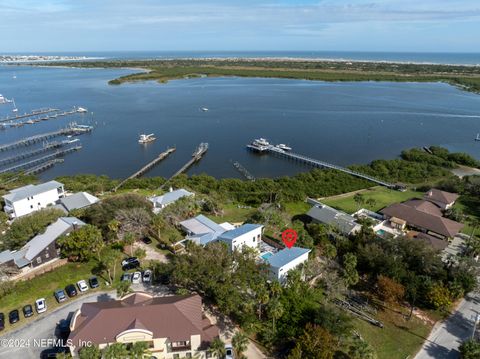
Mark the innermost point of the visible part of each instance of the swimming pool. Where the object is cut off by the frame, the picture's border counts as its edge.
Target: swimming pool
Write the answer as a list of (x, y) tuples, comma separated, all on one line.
[(381, 232), (266, 255)]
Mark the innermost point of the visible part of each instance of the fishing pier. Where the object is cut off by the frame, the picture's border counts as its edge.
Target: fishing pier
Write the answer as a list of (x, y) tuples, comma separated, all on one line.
[(45, 148), (265, 147), (147, 167)]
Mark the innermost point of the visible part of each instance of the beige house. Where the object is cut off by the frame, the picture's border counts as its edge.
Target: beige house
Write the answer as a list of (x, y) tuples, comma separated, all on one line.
[(174, 326)]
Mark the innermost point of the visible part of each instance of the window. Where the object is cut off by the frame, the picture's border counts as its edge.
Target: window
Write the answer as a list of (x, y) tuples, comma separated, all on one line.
[(39, 260), (254, 238), (47, 255), (58, 251), (39, 203), (31, 206)]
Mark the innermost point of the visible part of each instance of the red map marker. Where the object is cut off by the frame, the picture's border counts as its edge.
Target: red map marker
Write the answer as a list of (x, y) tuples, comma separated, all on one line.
[(289, 237)]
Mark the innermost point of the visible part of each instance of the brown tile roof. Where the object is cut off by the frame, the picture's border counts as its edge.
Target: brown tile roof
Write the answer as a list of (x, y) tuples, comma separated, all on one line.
[(436, 243), (424, 206), (441, 196), (174, 317), (440, 225)]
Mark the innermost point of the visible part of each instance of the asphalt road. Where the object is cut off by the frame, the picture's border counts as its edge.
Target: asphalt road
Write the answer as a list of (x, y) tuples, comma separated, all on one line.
[(446, 336), (25, 342)]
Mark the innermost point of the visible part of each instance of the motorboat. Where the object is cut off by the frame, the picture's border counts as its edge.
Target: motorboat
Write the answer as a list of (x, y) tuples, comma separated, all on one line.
[(146, 138), (81, 110), (284, 147), (478, 137), (204, 109), (261, 142)]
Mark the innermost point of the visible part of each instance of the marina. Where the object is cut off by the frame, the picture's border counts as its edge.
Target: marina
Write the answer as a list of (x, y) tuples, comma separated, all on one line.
[(45, 148)]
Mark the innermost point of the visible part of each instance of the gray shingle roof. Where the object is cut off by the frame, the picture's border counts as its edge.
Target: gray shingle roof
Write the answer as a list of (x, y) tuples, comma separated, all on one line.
[(78, 200), (201, 224), (170, 197), (286, 255), (31, 190), (328, 215), (237, 232), (53, 231)]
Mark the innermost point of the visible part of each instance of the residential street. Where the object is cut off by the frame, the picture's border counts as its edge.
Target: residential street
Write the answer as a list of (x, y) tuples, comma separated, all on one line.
[(447, 335), (44, 328)]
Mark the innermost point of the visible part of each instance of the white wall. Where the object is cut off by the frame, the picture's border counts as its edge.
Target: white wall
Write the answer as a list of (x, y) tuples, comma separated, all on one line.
[(250, 239), (39, 201), (280, 274)]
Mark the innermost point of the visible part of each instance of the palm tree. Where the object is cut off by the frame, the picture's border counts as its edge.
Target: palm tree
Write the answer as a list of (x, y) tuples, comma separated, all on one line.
[(139, 350), (116, 351), (217, 348), (275, 310), (239, 344)]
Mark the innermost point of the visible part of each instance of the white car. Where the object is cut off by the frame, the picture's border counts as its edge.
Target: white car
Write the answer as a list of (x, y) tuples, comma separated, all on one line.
[(82, 286), (137, 277), (147, 276), (228, 351), (41, 305)]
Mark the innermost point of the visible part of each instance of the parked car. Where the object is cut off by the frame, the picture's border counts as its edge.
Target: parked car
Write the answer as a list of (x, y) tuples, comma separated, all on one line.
[(82, 286), (132, 263), (2, 321), (27, 311), (13, 316), (93, 281), (129, 260), (136, 277), (126, 277), (54, 352), (146, 240), (41, 305), (71, 290), (147, 276), (228, 352), (60, 295)]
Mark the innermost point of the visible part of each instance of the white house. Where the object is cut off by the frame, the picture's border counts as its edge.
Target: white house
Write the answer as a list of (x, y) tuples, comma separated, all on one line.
[(285, 260), (246, 235), (160, 202), (25, 200)]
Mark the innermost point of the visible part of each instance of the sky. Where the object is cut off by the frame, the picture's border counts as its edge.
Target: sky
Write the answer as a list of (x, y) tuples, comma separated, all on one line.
[(240, 25)]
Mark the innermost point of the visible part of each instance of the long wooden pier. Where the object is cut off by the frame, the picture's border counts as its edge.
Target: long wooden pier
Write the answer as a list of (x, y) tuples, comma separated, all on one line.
[(147, 167), (41, 137), (196, 156), (44, 166), (21, 156), (41, 160), (321, 164), (30, 114)]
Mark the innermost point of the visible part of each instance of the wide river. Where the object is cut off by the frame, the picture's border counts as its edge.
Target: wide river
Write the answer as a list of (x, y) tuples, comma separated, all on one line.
[(343, 123)]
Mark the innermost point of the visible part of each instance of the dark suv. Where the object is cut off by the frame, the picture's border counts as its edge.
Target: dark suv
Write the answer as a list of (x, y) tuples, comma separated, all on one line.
[(27, 311), (71, 290), (130, 263), (93, 281), (13, 316)]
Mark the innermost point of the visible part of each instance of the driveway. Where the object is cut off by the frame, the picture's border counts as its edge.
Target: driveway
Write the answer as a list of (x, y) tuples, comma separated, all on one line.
[(446, 336), (26, 345)]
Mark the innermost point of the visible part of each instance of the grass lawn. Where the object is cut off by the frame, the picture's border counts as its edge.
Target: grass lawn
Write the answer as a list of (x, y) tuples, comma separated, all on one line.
[(43, 286), (382, 196), (233, 213), (398, 339), (471, 207), (296, 208)]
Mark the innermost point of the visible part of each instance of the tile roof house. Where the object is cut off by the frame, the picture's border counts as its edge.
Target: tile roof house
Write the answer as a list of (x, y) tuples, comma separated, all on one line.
[(424, 206), (43, 247), (286, 260), (160, 202), (27, 199), (173, 326), (444, 200), (423, 221), (344, 222)]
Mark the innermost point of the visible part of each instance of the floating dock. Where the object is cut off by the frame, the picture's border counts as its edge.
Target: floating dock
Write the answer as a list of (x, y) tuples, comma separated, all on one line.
[(147, 167), (273, 150)]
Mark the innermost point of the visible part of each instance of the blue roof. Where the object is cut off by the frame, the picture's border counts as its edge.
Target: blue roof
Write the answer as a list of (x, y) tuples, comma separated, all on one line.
[(171, 197), (237, 232), (286, 255), (205, 238)]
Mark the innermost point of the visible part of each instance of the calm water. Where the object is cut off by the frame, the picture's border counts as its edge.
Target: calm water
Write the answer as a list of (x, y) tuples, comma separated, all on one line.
[(418, 57), (343, 123)]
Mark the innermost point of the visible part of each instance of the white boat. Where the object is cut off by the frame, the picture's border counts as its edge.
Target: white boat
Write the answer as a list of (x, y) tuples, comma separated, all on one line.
[(81, 110), (146, 138), (284, 147), (15, 109), (204, 109), (4, 100), (478, 137), (261, 142)]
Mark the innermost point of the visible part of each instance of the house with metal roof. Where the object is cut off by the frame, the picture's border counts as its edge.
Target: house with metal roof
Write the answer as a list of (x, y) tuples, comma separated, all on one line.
[(248, 235), (76, 201), (43, 247), (160, 202), (286, 260), (27, 199), (345, 223), (172, 326)]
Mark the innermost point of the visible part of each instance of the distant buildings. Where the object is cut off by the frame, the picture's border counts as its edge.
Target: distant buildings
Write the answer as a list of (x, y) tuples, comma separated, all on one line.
[(343, 222), (173, 327), (27, 199), (160, 202), (43, 247), (284, 261)]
